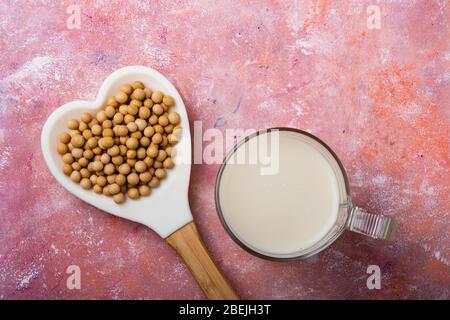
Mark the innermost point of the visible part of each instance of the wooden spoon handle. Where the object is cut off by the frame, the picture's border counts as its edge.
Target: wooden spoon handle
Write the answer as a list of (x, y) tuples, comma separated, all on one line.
[(187, 243)]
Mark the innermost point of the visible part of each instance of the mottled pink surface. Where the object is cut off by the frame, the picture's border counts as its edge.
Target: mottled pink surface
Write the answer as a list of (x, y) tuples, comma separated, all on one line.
[(379, 98)]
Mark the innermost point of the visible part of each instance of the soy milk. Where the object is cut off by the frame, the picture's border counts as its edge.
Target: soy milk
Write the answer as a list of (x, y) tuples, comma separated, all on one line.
[(284, 212)]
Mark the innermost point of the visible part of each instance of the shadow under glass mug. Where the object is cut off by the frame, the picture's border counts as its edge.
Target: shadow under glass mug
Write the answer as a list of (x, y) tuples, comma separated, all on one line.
[(283, 194)]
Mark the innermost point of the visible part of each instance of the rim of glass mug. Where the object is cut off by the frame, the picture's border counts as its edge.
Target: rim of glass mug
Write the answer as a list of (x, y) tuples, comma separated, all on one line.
[(349, 217)]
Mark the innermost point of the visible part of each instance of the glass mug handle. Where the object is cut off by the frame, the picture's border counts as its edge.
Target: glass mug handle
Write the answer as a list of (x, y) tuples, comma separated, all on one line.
[(373, 225)]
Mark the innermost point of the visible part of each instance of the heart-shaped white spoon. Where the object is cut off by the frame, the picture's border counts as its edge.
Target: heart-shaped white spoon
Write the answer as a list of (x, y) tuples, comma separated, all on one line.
[(166, 210)]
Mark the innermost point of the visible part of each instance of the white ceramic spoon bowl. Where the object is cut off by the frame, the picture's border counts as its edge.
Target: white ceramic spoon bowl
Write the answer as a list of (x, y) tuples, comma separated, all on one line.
[(166, 210)]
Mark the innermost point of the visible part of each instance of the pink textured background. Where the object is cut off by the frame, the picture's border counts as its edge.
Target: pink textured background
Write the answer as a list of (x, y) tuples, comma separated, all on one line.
[(379, 98)]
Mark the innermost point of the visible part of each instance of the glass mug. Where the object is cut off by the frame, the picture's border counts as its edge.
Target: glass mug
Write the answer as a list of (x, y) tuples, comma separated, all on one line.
[(299, 209)]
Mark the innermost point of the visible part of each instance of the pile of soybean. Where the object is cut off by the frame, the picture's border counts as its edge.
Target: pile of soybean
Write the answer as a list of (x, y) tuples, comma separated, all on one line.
[(126, 148)]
